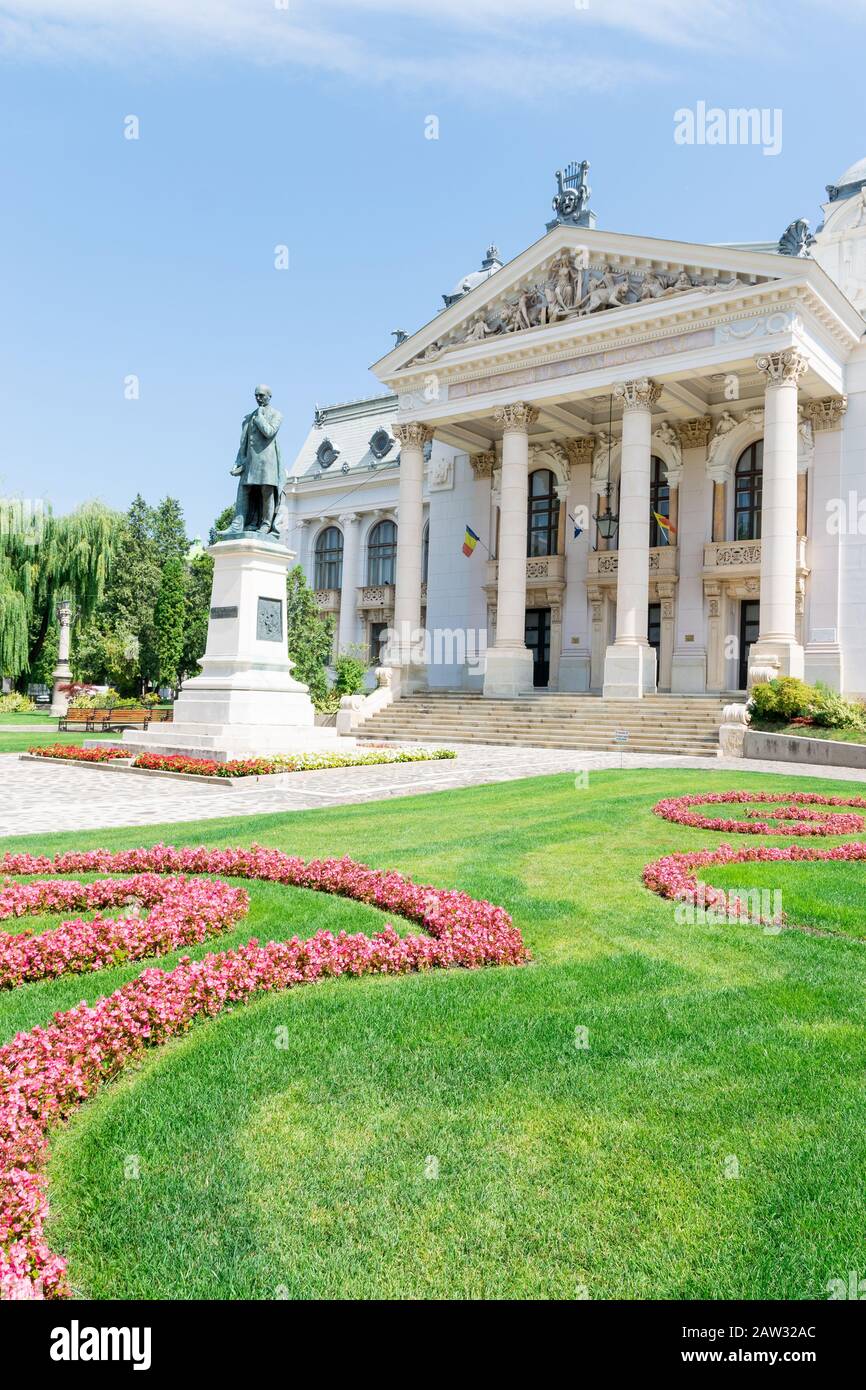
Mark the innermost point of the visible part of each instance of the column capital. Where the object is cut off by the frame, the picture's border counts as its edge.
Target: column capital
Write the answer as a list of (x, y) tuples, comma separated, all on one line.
[(517, 415), (348, 518), (695, 434), (483, 464), (782, 368), (826, 413), (412, 434), (640, 394), (580, 450)]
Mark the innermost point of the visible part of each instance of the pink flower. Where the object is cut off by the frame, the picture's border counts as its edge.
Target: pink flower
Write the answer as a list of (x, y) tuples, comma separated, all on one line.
[(45, 1073)]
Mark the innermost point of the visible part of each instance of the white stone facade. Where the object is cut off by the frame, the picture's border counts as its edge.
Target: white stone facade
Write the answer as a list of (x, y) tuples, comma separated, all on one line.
[(722, 388)]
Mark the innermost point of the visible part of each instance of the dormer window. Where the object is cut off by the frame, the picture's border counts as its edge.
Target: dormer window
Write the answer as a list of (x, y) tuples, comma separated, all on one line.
[(326, 454), (381, 443)]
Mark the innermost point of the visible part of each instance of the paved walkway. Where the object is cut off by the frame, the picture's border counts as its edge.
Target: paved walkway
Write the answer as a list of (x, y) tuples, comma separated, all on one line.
[(39, 797)]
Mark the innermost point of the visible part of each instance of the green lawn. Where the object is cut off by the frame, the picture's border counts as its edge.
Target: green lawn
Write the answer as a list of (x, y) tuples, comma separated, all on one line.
[(766, 726), (11, 741), (310, 1170), (24, 719)]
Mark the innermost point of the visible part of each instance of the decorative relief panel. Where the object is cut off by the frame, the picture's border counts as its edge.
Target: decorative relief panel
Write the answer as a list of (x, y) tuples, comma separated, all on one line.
[(269, 620)]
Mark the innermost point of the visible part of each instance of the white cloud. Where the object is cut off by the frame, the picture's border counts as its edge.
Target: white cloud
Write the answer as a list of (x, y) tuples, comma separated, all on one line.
[(518, 47)]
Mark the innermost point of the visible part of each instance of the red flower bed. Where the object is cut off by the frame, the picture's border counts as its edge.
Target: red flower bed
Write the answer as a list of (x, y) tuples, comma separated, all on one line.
[(790, 810), (46, 1073), (74, 753)]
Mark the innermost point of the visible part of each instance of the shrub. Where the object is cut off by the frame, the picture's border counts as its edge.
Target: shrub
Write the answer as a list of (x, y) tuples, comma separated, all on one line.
[(788, 700), (350, 670), (13, 703), (831, 711)]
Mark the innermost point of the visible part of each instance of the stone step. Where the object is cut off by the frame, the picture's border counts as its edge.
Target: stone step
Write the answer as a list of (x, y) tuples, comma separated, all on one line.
[(679, 748), (664, 724)]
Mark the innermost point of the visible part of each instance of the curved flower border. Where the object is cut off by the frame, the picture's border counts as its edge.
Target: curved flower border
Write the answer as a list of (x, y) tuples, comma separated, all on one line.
[(791, 816), (46, 1073), (183, 912), (675, 876)]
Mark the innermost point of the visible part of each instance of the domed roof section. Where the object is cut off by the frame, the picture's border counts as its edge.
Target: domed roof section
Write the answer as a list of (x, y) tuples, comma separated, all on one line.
[(489, 265), (855, 174)]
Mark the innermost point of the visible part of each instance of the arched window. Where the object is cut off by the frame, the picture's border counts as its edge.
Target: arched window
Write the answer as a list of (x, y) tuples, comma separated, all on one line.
[(660, 500), (542, 534), (382, 553), (425, 552), (748, 485), (329, 558)]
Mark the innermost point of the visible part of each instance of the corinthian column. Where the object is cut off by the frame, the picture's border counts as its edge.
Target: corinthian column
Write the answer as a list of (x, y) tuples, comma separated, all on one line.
[(509, 661), (777, 651), (630, 663), (348, 631), (410, 509)]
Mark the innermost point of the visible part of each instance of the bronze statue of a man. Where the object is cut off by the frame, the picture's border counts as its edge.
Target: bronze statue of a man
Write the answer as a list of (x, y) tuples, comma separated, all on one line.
[(260, 470)]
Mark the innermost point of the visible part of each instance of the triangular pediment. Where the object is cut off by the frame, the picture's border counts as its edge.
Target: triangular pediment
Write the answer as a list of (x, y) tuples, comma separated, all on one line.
[(574, 274)]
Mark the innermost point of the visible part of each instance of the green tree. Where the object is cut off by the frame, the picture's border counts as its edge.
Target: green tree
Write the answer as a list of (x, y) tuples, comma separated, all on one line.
[(199, 578), (169, 621), (169, 530), (310, 636), (61, 557), (118, 644)]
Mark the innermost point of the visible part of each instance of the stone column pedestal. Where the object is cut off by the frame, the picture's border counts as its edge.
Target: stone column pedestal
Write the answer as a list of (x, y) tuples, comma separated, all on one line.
[(62, 673), (246, 700), (777, 648)]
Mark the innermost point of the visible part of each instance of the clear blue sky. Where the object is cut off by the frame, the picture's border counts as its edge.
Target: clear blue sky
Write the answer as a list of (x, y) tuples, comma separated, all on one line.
[(262, 124)]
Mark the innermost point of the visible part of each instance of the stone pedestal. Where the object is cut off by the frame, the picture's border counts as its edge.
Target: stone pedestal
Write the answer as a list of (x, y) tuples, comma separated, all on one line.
[(62, 674), (246, 700)]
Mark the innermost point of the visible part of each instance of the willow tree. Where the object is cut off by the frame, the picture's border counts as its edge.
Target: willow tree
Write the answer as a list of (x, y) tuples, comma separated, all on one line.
[(44, 558)]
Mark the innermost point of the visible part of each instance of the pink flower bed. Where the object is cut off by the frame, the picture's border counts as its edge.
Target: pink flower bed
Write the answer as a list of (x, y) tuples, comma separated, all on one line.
[(674, 876), (183, 912), (45, 1073), (790, 810)]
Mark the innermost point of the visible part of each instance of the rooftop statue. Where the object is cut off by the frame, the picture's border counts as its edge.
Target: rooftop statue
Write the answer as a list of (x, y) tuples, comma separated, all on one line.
[(260, 471), (571, 201), (796, 239)]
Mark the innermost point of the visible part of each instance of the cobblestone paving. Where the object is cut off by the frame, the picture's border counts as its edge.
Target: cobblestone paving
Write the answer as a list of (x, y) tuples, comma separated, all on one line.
[(40, 797)]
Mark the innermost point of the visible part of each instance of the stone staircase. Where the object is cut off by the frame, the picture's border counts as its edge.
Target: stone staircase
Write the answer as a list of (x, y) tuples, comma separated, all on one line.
[(683, 724)]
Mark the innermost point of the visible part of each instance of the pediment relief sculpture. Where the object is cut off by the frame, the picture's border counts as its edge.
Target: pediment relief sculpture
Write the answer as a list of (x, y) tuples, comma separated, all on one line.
[(569, 287)]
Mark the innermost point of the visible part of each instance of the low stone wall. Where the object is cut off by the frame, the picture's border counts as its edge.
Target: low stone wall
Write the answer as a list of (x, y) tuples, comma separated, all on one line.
[(786, 748)]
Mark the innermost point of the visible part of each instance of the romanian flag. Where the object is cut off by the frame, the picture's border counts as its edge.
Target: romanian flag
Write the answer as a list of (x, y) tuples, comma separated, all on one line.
[(665, 526), (470, 540)]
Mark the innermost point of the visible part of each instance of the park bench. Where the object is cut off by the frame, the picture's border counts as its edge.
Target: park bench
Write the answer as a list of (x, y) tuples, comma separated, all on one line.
[(76, 719), (126, 718), (104, 720)]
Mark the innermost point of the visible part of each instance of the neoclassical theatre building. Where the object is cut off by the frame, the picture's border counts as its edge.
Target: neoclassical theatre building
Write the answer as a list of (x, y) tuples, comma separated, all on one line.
[(659, 446)]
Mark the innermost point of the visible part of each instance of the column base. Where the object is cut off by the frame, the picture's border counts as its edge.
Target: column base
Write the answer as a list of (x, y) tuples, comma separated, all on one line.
[(769, 659), (407, 678), (507, 672), (823, 662), (629, 672), (689, 672)]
